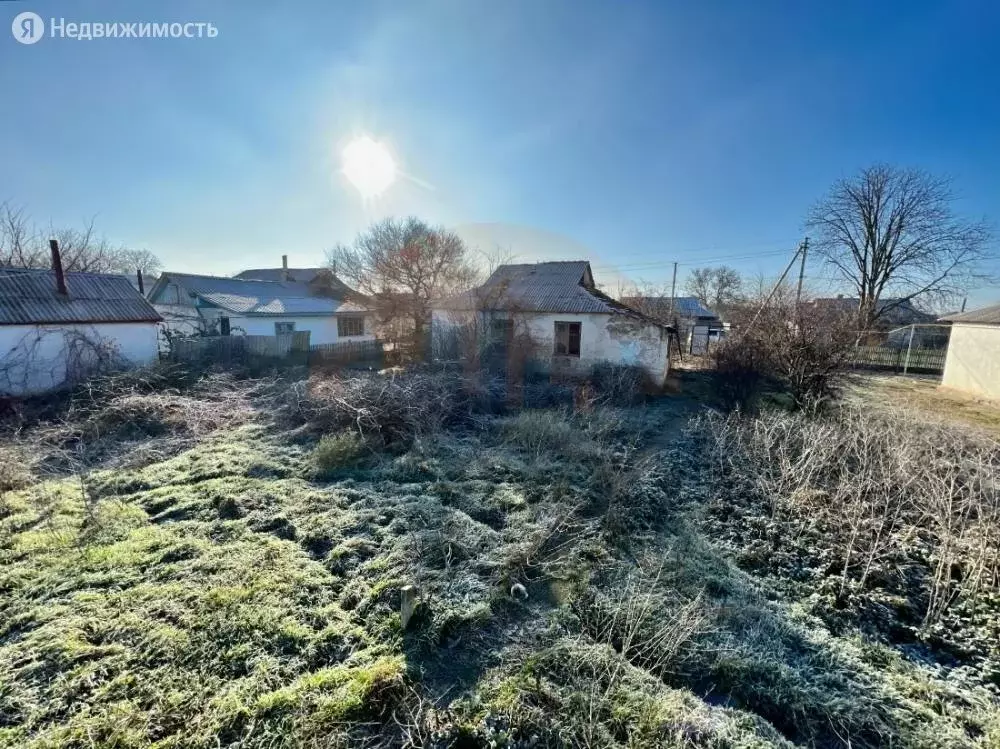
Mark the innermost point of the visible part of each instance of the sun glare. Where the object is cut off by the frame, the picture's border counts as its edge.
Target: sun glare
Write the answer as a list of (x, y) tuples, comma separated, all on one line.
[(369, 166)]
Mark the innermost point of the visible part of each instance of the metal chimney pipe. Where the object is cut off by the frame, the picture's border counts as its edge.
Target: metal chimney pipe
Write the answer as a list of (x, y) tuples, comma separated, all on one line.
[(138, 277), (57, 268)]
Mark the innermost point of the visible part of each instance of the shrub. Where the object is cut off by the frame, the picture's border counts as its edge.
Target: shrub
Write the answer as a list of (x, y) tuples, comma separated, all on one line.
[(620, 384), (337, 451), (741, 371), (538, 432)]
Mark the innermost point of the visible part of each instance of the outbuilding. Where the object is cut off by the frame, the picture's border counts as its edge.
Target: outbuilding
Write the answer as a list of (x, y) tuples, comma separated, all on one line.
[(973, 359), (58, 328)]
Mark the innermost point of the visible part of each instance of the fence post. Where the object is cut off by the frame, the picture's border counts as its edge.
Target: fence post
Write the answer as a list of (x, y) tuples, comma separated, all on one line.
[(909, 346)]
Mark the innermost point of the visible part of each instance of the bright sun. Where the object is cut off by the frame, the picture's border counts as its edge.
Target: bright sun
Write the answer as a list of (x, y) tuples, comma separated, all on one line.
[(369, 166)]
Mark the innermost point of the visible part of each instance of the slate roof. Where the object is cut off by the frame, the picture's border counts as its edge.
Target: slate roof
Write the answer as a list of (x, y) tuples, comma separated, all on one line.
[(302, 275), (985, 315), (29, 297), (247, 297), (565, 286)]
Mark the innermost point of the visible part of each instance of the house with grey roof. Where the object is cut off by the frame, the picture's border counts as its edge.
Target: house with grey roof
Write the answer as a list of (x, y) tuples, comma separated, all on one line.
[(57, 328), (556, 310), (279, 304), (972, 363)]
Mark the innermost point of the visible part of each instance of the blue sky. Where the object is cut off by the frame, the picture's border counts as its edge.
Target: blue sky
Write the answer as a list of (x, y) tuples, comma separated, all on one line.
[(634, 134)]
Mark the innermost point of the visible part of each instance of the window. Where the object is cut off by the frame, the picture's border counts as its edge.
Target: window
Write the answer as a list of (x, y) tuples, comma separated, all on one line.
[(567, 339), (350, 326), (224, 325), (284, 328), (501, 331)]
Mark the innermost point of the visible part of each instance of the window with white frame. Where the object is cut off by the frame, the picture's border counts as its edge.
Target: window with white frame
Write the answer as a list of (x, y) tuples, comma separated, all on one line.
[(349, 327), (284, 328)]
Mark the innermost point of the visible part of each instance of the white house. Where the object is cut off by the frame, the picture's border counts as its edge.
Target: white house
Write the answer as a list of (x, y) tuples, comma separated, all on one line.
[(973, 359), (570, 324), (56, 328), (322, 305)]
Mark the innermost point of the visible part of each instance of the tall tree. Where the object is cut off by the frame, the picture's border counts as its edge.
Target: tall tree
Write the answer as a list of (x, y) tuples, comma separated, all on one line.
[(23, 244), (403, 264), (890, 232), (716, 288)]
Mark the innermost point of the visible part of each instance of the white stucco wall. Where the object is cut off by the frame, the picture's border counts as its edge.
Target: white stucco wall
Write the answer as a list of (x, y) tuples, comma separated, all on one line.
[(33, 359), (321, 329), (603, 338), (973, 361)]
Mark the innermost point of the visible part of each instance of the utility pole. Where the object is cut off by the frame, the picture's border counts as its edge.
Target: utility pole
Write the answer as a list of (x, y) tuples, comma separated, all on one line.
[(673, 290), (803, 249), (774, 290)]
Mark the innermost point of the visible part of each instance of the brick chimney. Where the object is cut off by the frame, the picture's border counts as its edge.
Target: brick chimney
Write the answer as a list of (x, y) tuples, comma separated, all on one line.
[(57, 268)]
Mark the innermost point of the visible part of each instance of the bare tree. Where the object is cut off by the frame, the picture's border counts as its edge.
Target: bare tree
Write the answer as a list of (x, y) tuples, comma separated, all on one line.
[(893, 231), (404, 264), (23, 244), (716, 288)]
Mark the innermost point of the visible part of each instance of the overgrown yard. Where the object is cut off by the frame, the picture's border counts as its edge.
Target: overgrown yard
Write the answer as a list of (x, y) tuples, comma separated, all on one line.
[(220, 564)]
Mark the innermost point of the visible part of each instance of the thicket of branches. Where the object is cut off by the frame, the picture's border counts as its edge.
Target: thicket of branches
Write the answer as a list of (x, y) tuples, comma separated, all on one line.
[(884, 498), (789, 347), (25, 244)]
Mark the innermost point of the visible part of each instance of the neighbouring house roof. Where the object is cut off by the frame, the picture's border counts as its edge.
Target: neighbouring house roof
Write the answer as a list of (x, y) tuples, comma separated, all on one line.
[(659, 306), (251, 297), (901, 313), (30, 297), (302, 275), (566, 286), (985, 316)]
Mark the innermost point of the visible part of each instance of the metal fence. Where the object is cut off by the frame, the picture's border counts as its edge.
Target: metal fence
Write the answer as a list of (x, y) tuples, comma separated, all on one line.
[(899, 359), (291, 349)]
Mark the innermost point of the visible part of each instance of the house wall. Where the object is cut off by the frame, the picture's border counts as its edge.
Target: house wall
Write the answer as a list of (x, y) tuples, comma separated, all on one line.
[(603, 338), (321, 329), (34, 359), (973, 360)]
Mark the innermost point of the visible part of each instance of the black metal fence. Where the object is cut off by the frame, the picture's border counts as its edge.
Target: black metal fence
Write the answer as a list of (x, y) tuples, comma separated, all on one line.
[(899, 359)]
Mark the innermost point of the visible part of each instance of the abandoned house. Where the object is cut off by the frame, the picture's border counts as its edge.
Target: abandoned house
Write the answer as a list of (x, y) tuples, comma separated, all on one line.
[(286, 300), (57, 328), (556, 311)]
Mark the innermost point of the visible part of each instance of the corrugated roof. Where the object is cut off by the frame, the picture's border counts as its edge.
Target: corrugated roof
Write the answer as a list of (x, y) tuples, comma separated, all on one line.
[(257, 297), (29, 297), (302, 275), (684, 306), (541, 287), (986, 316)]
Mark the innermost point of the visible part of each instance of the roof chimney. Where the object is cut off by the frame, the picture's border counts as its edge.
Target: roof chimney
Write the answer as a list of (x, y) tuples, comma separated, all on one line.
[(138, 277), (284, 267), (57, 268)]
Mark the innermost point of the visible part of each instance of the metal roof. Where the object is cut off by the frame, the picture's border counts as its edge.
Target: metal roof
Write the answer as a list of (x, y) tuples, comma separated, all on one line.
[(541, 287), (985, 316), (251, 297), (659, 306), (29, 297)]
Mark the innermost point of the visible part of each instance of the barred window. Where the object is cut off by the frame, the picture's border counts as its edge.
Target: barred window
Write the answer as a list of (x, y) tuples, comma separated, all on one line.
[(348, 327)]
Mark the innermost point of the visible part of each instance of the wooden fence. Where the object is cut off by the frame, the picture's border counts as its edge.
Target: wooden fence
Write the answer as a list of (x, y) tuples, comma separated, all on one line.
[(899, 359)]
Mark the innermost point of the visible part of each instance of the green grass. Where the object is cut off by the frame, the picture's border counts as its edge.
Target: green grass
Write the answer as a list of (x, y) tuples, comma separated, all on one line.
[(246, 593)]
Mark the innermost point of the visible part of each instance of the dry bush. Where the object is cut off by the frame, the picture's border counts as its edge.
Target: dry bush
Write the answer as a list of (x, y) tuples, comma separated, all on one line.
[(337, 451), (795, 349), (620, 384), (885, 492)]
